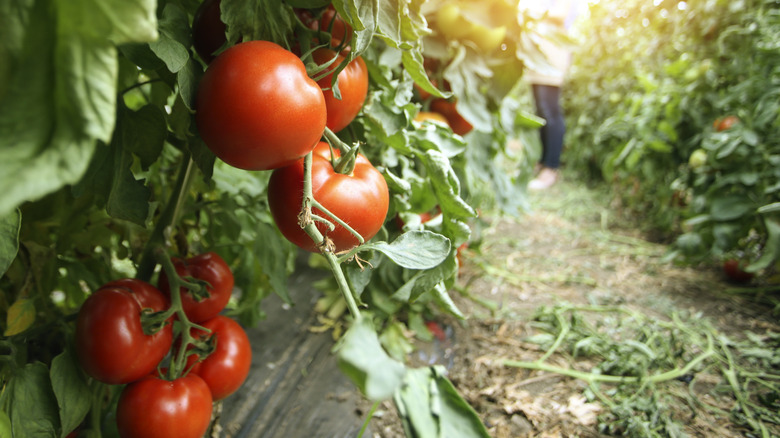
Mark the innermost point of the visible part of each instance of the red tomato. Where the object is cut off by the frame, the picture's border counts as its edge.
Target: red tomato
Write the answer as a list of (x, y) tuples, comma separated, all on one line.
[(226, 368), (208, 30), (735, 272), (352, 83), (360, 199), (257, 109), (340, 30), (211, 268), (153, 407), (110, 340), (446, 108), (724, 123)]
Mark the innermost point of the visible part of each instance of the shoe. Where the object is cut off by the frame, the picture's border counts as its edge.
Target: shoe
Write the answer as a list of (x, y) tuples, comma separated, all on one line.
[(544, 180)]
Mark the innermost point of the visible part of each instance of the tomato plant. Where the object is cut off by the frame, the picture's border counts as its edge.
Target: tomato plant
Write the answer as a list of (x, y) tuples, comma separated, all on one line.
[(257, 109), (154, 407), (352, 86), (111, 341), (330, 21), (212, 272), (208, 30), (224, 369), (360, 199)]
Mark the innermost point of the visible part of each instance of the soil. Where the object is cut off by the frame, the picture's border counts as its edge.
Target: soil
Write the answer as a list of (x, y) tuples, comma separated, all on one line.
[(570, 248)]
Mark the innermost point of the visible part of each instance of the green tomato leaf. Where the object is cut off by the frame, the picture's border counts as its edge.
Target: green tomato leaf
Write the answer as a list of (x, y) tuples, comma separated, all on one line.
[(60, 97), (111, 180), (362, 359), (308, 4), (446, 185), (413, 64), (172, 45), (418, 249), (188, 79), (20, 317), (730, 207), (430, 406), (9, 239), (71, 390), (142, 132), (31, 403), (243, 22)]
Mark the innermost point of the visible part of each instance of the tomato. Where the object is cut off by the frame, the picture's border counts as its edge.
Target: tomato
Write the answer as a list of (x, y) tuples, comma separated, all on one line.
[(429, 115), (697, 159), (360, 199), (208, 30), (212, 269), (226, 368), (735, 272), (724, 123), (256, 107), (330, 21), (110, 340), (352, 83), (446, 108), (153, 407)]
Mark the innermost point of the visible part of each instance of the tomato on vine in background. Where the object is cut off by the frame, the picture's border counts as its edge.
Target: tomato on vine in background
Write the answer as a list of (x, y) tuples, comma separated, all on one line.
[(111, 343), (257, 109), (157, 408), (352, 83), (330, 21), (361, 199), (226, 368), (208, 30), (211, 269), (447, 108)]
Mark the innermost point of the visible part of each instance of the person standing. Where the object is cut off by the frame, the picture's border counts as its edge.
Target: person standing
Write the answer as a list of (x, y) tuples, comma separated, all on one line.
[(546, 84)]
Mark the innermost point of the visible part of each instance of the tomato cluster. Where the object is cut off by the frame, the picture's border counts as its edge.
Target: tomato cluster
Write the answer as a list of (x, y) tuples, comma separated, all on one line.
[(125, 331), (259, 109)]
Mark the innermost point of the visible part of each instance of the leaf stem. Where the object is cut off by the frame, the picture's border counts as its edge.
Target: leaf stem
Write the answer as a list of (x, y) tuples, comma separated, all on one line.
[(167, 218)]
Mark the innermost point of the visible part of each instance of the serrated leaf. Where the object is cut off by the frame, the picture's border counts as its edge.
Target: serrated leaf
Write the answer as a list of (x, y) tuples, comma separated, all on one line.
[(243, 21), (188, 79), (771, 252), (20, 317), (446, 185), (730, 207), (70, 389), (362, 359), (143, 132), (417, 249), (172, 45), (9, 239)]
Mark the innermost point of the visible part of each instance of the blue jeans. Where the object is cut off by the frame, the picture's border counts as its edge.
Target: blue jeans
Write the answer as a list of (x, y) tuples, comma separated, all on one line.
[(548, 106)]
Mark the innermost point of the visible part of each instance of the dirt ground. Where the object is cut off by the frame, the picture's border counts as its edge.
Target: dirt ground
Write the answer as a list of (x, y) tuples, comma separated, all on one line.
[(570, 249)]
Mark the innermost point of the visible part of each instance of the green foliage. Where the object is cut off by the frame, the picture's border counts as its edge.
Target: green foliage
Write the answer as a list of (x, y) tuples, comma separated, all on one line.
[(101, 165), (645, 91)]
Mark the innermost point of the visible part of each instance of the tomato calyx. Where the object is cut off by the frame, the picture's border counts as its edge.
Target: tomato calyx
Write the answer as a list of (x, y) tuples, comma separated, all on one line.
[(153, 322)]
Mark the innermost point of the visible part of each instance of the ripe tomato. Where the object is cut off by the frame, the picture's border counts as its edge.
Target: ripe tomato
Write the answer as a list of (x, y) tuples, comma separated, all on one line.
[(446, 108), (211, 268), (208, 30), (735, 272), (110, 340), (360, 199), (256, 107), (226, 368), (352, 83), (330, 21), (153, 407), (724, 123)]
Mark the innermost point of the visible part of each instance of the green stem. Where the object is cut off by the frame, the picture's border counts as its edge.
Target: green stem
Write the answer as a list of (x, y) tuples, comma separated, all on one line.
[(328, 213), (167, 218), (311, 229), (368, 419), (176, 283), (96, 409)]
